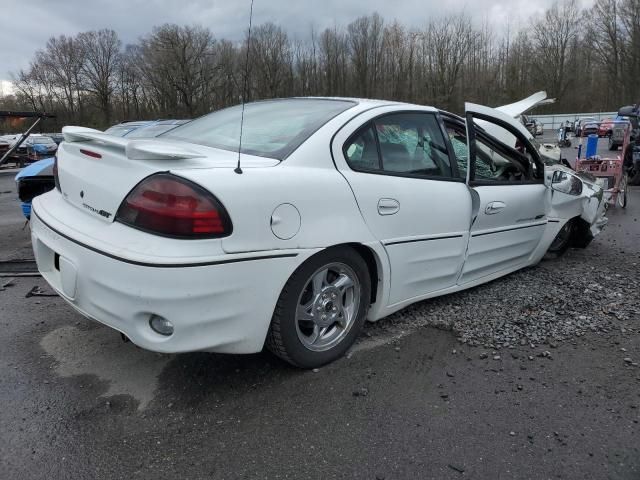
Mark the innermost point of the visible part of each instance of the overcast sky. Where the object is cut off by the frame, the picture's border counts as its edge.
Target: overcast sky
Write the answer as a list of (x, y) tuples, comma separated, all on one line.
[(25, 25)]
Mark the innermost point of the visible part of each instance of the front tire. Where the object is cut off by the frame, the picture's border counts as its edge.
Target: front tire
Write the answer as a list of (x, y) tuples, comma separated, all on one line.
[(321, 309), (562, 242)]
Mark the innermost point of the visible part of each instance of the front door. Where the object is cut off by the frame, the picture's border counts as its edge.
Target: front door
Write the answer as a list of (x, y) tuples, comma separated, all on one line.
[(410, 195), (512, 202)]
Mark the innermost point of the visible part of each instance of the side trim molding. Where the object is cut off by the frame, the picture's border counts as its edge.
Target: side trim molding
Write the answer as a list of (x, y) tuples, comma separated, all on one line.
[(165, 265)]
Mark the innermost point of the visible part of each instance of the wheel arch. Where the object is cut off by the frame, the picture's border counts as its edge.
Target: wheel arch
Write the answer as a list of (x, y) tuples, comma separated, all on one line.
[(373, 265), (581, 236)]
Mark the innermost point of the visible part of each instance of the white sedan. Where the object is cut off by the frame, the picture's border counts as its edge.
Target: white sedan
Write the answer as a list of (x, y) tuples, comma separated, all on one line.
[(340, 210)]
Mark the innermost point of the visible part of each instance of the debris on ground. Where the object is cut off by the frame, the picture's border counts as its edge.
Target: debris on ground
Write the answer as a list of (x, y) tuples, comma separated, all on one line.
[(37, 291), (8, 283)]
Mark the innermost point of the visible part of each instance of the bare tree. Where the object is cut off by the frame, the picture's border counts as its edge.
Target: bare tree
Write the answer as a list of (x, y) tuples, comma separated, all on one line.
[(607, 41), (271, 61), (179, 63), (177, 71), (630, 19), (365, 52), (445, 46), (101, 53), (554, 38), (333, 62)]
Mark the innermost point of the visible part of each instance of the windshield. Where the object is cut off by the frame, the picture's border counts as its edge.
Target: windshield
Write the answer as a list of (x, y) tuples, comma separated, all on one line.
[(272, 129), (43, 141)]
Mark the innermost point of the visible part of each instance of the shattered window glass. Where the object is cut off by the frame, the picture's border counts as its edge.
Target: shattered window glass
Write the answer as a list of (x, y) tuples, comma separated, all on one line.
[(362, 151), (412, 143)]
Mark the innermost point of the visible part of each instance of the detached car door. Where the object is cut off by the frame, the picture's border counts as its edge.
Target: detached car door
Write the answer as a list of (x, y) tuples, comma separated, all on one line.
[(506, 176), (411, 196)]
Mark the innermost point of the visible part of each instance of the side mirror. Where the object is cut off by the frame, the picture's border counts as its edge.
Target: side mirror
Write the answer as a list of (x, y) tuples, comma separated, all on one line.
[(566, 183)]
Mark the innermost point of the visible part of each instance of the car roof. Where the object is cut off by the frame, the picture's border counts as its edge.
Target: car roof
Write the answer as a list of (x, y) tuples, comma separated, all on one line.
[(365, 103), (629, 111), (132, 123), (179, 121)]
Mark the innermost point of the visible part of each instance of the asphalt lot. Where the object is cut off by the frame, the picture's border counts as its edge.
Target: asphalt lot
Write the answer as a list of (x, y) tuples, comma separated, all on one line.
[(409, 402)]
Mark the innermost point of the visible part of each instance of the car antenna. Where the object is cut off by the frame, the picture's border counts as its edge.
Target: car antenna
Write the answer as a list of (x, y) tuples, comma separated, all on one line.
[(238, 169)]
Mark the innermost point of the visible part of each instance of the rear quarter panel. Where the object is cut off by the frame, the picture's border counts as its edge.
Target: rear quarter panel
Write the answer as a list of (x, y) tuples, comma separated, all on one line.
[(328, 213)]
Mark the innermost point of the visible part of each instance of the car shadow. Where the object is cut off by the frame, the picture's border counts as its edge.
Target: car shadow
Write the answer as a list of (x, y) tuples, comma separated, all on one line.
[(193, 380)]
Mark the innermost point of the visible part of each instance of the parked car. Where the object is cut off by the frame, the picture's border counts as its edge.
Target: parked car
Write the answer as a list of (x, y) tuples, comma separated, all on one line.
[(33, 145), (618, 132), (335, 211), (56, 137), (589, 128), (38, 146), (606, 127), (580, 124), (5, 144), (631, 142)]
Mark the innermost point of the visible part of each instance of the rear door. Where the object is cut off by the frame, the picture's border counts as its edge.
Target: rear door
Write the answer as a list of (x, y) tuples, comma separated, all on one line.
[(507, 178), (411, 196)]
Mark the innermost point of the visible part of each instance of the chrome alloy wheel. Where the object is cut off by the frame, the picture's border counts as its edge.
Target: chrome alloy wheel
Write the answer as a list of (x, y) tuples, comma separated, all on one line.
[(327, 307)]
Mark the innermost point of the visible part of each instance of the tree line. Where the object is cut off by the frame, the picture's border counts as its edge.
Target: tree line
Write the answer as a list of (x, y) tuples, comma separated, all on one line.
[(589, 60)]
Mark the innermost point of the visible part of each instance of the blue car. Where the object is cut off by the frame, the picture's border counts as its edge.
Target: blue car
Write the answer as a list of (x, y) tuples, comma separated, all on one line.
[(34, 180)]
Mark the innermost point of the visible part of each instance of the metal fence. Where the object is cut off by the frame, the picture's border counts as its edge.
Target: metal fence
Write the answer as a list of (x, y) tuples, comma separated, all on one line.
[(553, 122)]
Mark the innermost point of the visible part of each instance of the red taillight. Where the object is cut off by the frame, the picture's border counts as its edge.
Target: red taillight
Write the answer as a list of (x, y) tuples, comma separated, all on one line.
[(56, 179), (89, 153), (168, 205)]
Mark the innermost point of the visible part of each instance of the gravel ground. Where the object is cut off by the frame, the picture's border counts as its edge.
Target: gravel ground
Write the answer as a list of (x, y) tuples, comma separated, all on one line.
[(523, 309)]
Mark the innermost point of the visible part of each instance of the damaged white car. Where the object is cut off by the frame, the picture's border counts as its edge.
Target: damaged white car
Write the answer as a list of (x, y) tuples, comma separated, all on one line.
[(335, 211)]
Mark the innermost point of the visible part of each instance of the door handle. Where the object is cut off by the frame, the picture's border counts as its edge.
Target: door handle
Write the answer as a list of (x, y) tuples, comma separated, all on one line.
[(494, 207), (388, 206)]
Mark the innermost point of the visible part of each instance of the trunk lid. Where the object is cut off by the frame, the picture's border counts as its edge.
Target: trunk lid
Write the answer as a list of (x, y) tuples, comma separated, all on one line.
[(97, 171)]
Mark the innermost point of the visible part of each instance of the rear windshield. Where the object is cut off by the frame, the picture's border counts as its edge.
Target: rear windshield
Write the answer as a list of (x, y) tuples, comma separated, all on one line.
[(121, 130), (153, 130), (273, 128)]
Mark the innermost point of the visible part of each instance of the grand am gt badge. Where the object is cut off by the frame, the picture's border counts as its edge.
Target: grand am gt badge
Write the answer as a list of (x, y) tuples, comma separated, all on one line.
[(102, 213)]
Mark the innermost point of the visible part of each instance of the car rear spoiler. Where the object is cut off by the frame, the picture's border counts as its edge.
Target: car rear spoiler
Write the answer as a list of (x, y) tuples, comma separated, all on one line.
[(139, 149)]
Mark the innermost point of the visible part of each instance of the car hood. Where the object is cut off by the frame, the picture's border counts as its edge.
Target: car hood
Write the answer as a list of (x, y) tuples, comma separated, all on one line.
[(518, 108), (42, 168)]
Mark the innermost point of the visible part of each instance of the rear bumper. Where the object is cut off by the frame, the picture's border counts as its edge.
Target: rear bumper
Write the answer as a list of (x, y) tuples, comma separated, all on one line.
[(224, 306)]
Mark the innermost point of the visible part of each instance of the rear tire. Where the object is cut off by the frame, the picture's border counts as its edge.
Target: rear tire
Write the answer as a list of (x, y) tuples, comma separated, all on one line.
[(321, 309)]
